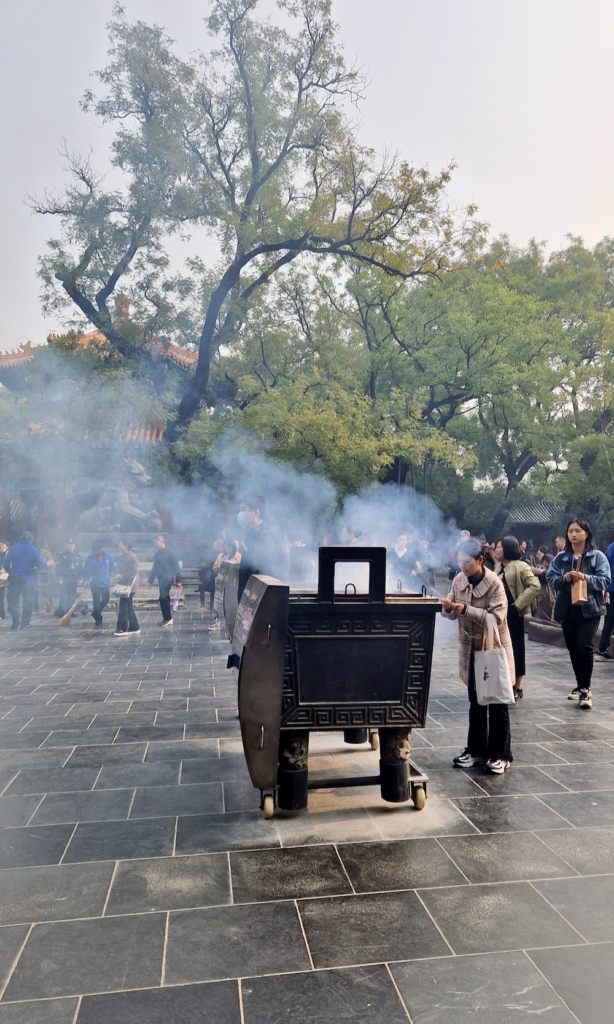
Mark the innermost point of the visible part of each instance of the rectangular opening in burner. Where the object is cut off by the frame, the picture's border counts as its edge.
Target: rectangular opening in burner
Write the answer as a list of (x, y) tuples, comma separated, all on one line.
[(352, 578)]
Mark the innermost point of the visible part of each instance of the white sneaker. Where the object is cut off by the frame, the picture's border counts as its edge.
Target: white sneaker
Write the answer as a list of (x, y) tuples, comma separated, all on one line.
[(586, 700), (216, 625), (168, 623), (497, 765), (575, 694), (121, 632), (467, 760)]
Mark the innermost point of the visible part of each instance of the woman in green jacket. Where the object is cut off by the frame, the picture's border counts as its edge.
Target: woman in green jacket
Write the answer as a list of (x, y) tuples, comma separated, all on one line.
[(521, 588)]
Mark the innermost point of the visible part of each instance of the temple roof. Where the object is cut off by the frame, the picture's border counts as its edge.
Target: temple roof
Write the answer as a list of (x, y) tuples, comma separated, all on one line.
[(11, 362)]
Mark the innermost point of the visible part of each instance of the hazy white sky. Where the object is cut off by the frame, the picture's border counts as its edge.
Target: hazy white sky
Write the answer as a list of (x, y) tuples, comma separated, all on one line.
[(518, 92)]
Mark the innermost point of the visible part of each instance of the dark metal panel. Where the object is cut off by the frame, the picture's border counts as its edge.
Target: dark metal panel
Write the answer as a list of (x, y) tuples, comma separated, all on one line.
[(259, 642)]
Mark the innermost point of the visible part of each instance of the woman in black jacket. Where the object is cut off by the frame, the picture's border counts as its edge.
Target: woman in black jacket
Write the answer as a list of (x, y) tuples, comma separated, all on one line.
[(127, 566)]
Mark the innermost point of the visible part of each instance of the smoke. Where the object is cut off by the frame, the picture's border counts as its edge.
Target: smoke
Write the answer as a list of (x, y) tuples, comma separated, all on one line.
[(73, 427), (302, 507)]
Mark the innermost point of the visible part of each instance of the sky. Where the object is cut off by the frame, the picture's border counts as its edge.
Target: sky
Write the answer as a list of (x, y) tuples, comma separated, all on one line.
[(518, 93)]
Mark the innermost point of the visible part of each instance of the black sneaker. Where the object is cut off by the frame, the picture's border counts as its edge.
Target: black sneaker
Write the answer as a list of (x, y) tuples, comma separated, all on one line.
[(603, 656), (467, 760), (575, 694), (15, 625), (586, 699)]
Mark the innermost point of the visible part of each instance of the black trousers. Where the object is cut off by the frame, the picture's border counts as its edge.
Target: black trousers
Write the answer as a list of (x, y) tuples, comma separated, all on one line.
[(165, 599), (489, 726), (25, 589), (579, 633), (2, 611), (100, 600), (515, 625), (68, 594), (127, 621), (606, 632)]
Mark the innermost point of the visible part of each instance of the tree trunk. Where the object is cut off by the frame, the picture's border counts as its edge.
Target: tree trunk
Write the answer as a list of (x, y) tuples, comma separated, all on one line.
[(498, 521)]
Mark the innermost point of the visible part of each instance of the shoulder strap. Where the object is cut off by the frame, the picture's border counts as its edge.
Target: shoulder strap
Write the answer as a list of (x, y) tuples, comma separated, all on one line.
[(491, 633)]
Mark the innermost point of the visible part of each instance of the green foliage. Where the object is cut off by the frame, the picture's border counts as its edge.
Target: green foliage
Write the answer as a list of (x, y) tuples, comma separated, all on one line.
[(250, 140)]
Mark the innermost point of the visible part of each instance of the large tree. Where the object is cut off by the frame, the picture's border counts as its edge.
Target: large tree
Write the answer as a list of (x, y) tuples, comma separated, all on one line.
[(252, 139)]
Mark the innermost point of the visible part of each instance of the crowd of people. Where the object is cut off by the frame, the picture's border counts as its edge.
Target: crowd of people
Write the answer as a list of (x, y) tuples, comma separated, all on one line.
[(100, 572), (506, 578), (496, 584)]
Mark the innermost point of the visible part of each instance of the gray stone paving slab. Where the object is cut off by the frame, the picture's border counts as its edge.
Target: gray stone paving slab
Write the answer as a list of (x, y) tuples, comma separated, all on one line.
[(130, 751), (490, 989)]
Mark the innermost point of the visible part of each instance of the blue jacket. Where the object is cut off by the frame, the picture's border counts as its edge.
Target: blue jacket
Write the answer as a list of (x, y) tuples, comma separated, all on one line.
[(21, 560), (609, 554), (596, 569), (98, 569)]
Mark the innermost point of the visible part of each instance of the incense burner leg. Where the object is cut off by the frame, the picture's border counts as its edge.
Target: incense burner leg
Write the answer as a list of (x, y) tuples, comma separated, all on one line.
[(292, 775), (394, 765)]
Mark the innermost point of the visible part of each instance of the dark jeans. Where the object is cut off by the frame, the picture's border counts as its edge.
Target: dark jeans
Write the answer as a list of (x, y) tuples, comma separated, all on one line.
[(2, 612), (165, 599), (18, 587), (100, 600), (606, 632), (127, 621), (579, 633), (489, 726)]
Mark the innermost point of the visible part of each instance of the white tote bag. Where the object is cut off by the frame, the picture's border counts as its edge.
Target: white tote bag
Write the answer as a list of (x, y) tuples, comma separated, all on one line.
[(493, 682)]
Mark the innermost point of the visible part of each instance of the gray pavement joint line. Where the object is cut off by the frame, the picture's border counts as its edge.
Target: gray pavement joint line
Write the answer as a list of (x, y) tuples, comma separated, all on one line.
[(163, 966), (175, 836), (434, 922), (396, 988), (230, 885), (557, 911), (35, 809), (14, 964), (77, 1009), (468, 820), (551, 986), (96, 780), (241, 1010), (343, 868), (544, 804), (145, 754), (549, 776), (24, 725), (131, 802), (471, 779), (560, 856), (10, 783), (68, 844), (112, 879), (72, 750), (450, 857), (304, 934)]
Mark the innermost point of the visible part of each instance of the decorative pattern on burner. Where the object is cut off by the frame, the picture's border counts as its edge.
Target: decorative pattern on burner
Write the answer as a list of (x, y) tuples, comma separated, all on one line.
[(407, 709)]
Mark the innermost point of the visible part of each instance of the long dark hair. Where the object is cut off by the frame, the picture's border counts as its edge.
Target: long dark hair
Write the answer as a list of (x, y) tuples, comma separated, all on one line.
[(582, 523), (511, 548)]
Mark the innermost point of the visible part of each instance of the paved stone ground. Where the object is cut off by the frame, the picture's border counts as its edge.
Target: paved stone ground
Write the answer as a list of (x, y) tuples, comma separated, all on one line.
[(140, 885)]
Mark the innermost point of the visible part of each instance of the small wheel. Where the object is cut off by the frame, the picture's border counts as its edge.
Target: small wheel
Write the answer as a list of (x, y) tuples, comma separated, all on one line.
[(419, 797), (268, 807), (374, 741)]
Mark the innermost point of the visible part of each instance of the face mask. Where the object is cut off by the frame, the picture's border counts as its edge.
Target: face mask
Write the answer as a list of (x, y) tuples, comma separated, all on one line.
[(242, 516)]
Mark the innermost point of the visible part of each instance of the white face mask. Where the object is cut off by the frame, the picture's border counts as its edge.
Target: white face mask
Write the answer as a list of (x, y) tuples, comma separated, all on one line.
[(242, 516)]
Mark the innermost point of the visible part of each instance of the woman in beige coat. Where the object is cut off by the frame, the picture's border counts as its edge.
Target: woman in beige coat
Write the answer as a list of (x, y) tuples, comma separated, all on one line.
[(475, 593)]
